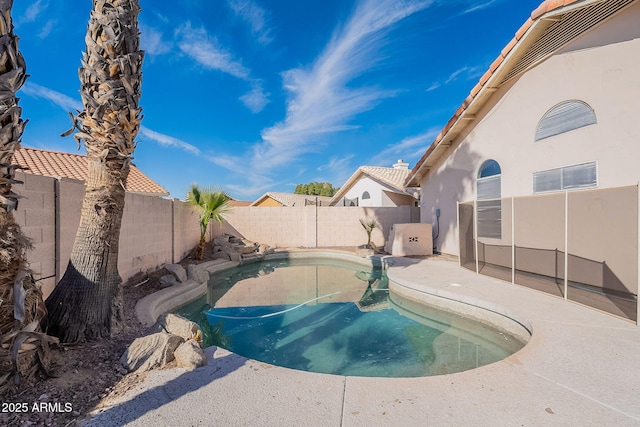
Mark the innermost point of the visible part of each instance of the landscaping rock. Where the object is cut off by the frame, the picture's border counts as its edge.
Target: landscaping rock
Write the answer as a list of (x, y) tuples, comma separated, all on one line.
[(168, 280), (189, 355), (176, 325), (364, 251), (178, 271), (150, 352), (197, 273)]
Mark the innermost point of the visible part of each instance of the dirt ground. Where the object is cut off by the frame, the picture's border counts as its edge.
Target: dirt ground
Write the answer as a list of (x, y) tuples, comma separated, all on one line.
[(85, 373)]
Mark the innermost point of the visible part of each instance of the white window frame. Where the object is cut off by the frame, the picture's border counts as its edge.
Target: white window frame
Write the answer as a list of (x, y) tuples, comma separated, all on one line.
[(564, 117), (562, 187)]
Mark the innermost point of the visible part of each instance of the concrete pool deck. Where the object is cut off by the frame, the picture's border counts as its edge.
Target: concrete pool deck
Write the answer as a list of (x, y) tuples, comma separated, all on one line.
[(581, 367)]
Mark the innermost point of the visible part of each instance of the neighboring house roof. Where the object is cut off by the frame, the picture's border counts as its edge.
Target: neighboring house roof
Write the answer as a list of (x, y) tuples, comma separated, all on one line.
[(551, 26), (393, 178), (289, 199), (74, 166), (238, 203)]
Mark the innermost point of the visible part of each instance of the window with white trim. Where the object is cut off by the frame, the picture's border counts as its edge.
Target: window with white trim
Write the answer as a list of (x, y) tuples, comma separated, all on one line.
[(488, 186), (564, 117), (584, 175)]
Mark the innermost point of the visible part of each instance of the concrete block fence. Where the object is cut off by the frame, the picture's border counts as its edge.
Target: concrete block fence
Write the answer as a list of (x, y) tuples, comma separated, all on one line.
[(156, 231)]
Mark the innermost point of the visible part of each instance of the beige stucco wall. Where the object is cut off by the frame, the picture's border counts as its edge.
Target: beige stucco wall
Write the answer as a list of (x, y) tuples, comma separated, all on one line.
[(152, 233), (600, 68), (311, 226)]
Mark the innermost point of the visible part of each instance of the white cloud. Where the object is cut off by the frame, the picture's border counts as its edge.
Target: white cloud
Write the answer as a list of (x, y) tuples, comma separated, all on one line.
[(205, 50), (434, 86), (320, 100), (47, 28), (408, 148), (67, 103), (40, 92), (151, 41), (197, 44), (255, 100), (168, 141), (475, 5), (35, 10), (255, 16)]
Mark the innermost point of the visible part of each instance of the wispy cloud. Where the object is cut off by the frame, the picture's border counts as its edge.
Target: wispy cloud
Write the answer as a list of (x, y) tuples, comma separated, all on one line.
[(151, 40), (168, 141), (320, 100), (47, 28), (255, 17), (408, 148), (35, 10), (67, 103), (478, 5), (40, 92), (257, 99), (206, 51)]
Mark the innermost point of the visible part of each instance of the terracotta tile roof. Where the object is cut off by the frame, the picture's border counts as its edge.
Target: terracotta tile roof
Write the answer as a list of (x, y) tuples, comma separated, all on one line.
[(525, 50), (74, 166), (290, 199)]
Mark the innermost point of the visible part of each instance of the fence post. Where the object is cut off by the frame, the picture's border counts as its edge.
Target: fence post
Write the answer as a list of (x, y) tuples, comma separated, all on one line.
[(475, 233), (566, 243), (513, 240), (458, 228), (638, 255)]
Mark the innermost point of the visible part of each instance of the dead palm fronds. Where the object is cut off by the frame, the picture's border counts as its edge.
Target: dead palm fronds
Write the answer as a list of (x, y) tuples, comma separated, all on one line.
[(23, 348)]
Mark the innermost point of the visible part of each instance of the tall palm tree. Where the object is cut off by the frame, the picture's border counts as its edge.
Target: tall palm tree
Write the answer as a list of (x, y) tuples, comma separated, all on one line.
[(22, 346), (87, 302), (212, 204)]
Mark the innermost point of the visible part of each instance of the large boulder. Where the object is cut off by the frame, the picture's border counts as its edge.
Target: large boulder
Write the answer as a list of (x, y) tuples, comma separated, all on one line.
[(178, 271), (168, 280), (190, 356), (150, 352), (197, 273), (176, 325)]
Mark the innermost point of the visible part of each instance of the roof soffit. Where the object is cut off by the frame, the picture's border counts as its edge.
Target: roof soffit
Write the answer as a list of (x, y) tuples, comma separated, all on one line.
[(538, 39)]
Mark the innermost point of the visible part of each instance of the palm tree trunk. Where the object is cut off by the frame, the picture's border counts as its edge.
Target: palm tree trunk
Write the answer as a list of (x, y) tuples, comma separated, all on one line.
[(21, 308), (87, 302)]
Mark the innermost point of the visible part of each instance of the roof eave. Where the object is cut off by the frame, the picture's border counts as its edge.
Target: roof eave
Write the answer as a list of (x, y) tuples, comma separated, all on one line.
[(539, 21)]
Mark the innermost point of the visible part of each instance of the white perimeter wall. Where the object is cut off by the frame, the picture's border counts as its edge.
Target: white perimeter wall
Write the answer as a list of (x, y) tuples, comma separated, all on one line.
[(600, 68)]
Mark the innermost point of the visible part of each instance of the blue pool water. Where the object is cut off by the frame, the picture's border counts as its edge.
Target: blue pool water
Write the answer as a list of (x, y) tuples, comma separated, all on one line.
[(338, 318)]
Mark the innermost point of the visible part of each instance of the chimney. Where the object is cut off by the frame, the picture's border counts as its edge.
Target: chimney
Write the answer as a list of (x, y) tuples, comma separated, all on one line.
[(401, 165)]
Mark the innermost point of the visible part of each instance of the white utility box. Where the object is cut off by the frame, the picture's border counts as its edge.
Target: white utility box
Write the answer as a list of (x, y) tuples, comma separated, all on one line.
[(410, 239)]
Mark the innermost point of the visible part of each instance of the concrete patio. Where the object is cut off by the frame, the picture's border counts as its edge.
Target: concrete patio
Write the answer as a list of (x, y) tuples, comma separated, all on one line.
[(581, 367)]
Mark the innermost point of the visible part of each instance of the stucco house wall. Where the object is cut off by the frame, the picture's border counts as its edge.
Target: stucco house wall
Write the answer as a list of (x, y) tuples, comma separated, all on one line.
[(600, 68)]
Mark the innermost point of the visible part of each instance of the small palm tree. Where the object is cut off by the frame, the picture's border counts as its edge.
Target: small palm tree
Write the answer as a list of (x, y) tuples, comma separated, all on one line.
[(212, 204), (369, 224)]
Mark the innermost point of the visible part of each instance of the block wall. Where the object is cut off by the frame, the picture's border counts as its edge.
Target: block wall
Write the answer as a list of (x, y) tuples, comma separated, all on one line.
[(154, 230)]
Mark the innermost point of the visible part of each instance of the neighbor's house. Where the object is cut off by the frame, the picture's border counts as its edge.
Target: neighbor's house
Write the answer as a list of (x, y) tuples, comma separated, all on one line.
[(377, 186), (557, 110), (74, 166), (273, 199)]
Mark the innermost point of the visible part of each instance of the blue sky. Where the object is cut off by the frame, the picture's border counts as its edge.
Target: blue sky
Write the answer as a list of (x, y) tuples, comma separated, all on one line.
[(261, 95)]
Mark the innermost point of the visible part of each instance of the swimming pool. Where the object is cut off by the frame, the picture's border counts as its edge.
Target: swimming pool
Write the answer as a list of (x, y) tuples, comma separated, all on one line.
[(336, 317)]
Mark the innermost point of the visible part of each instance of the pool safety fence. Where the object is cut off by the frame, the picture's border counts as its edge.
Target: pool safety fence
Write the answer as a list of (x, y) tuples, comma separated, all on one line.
[(578, 245)]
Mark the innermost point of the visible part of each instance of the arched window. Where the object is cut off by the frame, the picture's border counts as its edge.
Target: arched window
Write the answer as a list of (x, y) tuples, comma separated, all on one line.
[(564, 117), (489, 191), (366, 195), (489, 180)]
